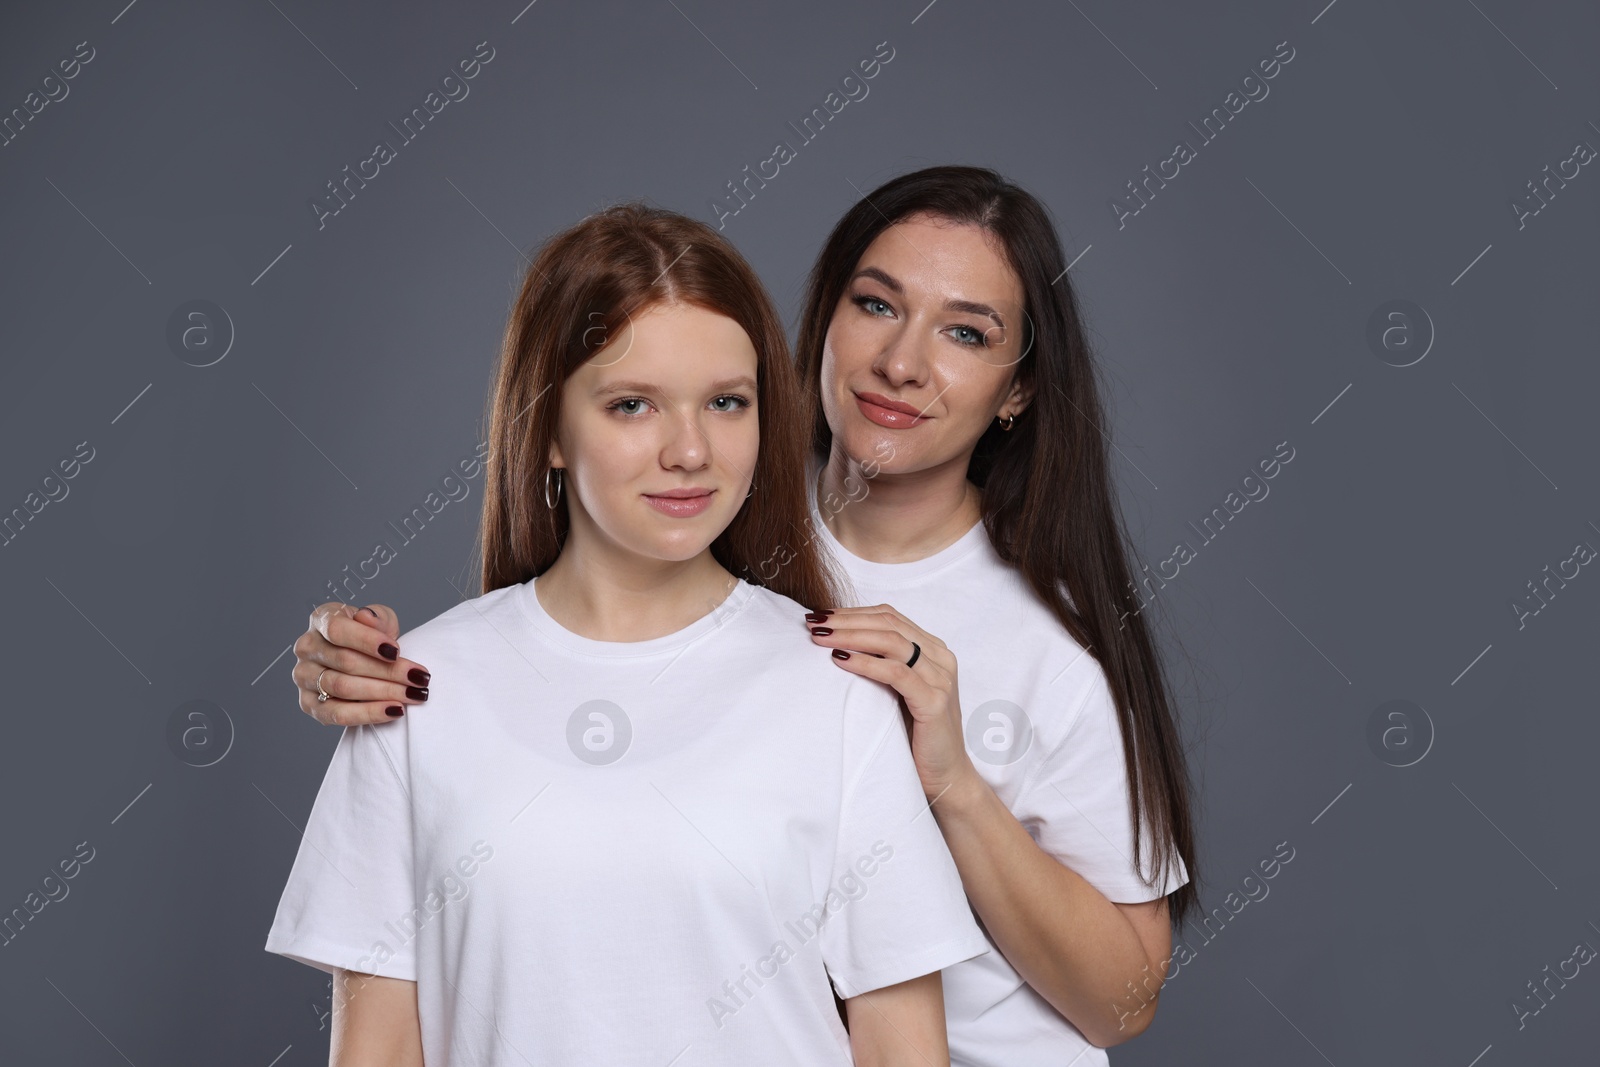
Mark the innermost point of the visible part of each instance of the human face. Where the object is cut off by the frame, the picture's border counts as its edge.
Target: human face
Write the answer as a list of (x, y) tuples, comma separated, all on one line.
[(669, 404), (932, 319)]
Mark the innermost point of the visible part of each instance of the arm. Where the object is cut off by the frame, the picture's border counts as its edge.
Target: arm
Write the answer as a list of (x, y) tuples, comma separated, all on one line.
[(901, 1025), (1079, 950), (1098, 963), (375, 1022), (366, 678)]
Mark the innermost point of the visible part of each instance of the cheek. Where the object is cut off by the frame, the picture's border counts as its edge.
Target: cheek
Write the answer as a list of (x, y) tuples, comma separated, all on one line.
[(852, 343), (603, 456), (830, 379), (971, 392), (738, 443)]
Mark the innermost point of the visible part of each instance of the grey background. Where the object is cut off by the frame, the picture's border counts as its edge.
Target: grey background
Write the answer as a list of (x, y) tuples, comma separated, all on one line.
[(1230, 313)]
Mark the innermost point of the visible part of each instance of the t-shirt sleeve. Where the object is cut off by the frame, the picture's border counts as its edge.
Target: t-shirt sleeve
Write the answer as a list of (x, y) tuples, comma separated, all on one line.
[(895, 908), (1075, 805), (351, 894)]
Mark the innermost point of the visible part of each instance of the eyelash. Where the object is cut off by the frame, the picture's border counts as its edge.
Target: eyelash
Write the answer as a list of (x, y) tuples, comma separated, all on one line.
[(861, 301), (744, 402)]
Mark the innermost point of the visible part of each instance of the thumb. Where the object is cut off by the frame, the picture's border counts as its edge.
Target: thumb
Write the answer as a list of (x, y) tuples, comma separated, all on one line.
[(380, 617)]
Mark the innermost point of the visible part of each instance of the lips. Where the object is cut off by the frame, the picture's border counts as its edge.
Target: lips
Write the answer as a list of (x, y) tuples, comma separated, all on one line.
[(681, 494), (881, 401), (889, 413), (682, 503)]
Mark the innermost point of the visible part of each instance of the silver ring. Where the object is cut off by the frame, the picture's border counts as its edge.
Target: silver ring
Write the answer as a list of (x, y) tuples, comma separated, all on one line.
[(322, 694), (916, 651)]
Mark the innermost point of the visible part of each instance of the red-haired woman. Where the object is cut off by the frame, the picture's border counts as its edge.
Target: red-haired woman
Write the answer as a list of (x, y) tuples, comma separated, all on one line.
[(641, 820)]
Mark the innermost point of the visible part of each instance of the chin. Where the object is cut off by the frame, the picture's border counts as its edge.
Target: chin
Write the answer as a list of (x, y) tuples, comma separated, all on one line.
[(868, 443), (682, 547)]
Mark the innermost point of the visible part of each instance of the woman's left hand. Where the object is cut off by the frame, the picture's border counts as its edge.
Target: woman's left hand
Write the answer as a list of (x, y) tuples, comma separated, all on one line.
[(878, 640)]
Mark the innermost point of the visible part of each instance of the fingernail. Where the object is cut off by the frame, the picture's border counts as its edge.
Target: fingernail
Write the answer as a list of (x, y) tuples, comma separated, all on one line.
[(822, 631), (815, 616), (827, 611), (374, 614), (394, 710), (840, 653), (416, 694), (418, 676), (388, 651)]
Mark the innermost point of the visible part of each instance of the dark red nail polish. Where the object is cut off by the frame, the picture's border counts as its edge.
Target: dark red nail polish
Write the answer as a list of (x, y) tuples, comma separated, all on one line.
[(822, 631), (815, 616), (418, 695), (418, 676), (394, 709), (840, 653), (388, 651)]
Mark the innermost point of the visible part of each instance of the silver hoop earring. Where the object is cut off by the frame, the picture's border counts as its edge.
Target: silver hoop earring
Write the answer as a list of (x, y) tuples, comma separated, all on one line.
[(1007, 422), (549, 503)]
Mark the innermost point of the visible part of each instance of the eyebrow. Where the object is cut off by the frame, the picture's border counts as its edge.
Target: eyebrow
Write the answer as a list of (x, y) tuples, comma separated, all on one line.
[(967, 306), (742, 381)]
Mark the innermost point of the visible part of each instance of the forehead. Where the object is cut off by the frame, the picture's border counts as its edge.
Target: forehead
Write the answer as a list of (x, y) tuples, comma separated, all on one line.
[(670, 342), (939, 258)]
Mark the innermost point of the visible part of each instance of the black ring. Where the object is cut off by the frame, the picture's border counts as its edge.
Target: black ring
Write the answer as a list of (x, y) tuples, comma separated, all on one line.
[(916, 650)]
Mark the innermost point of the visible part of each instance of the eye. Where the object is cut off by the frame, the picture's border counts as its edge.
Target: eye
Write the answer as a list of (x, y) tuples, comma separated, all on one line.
[(617, 406), (740, 401), (972, 337), (870, 304)]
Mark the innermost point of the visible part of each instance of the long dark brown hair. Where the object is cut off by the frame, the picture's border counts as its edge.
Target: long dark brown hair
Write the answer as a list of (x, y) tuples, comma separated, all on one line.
[(1047, 493), (583, 287)]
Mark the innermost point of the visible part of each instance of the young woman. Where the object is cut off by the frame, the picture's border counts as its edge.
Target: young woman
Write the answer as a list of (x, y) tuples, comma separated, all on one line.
[(961, 480), (642, 821)]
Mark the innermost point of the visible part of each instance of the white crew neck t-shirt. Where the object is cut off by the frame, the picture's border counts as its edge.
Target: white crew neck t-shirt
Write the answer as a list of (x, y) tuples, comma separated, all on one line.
[(1041, 727), (661, 851)]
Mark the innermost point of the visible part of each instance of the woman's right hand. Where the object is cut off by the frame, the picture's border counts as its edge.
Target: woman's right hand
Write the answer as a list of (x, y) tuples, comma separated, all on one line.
[(356, 653)]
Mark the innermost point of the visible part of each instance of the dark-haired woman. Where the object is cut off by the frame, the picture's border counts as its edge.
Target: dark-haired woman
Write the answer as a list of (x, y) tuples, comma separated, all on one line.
[(962, 483)]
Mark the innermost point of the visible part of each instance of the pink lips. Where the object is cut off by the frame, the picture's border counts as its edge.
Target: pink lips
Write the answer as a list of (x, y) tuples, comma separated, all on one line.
[(886, 412), (680, 502)]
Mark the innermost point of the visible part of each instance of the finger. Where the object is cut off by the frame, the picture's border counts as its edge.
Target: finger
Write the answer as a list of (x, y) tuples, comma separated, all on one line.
[(879, 637), (383, 617), (379, 634), (351, 686), (884, 615), (916, 686), (343, 626), (893, 649), (345, 713), (324, 611)]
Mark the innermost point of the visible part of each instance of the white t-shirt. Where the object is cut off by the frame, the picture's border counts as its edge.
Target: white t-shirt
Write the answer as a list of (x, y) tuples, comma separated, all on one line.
[(589, 852), (1041, 727)]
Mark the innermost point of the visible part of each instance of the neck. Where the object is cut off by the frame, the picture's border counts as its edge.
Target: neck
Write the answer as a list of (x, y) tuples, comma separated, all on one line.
[(896, 518), (603, 596)]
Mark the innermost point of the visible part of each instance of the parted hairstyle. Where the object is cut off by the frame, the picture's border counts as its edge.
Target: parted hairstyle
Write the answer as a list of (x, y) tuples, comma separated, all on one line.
[(1047, 500), (582, 288)]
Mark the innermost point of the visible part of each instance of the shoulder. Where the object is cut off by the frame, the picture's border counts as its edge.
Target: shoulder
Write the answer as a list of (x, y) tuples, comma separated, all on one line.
[(1014, 631), (462, 625), (1085, 740), (778, 624)]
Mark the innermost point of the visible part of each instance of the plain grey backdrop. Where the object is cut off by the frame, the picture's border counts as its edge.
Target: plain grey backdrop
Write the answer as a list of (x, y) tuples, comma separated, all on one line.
[(1386, 261)]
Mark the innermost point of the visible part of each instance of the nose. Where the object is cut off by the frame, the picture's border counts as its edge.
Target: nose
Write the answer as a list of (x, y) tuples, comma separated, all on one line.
[(906, 357), (686, 444)]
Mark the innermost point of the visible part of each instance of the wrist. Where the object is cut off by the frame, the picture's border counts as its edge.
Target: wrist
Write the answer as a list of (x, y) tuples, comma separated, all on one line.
[(965, 795)]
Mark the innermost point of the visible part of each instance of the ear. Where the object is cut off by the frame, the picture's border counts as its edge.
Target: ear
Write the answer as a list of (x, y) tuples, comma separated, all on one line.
[(1020, 396)]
